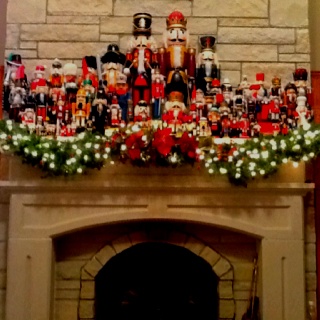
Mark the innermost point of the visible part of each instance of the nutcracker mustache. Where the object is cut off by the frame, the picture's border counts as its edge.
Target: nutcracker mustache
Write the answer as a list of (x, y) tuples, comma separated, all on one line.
[(176, 40)]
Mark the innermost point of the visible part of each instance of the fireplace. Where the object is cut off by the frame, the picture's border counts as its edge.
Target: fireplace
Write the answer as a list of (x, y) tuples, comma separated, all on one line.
[(67, 235), (155, 280)]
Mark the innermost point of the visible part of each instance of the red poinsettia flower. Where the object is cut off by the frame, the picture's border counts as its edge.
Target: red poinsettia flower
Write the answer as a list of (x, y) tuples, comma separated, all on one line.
[(115, 140), (163, 141), (134, 144), (188, 145)]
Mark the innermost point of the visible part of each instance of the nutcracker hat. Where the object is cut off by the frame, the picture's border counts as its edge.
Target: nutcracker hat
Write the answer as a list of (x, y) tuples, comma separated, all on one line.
[(260, 76), (207, 43), (176, 20), (40, 69), (142, 103), (300, 74), (81, 92), (87, 82), (142, 24), (70, 69), (289, 86), (121, 78), (176, 96), (89, 62), (14, 59), (112, 54), (226, 86), (56, 63)]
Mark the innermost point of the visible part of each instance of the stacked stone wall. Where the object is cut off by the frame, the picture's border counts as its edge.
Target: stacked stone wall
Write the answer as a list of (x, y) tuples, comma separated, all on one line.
[(252, 35)]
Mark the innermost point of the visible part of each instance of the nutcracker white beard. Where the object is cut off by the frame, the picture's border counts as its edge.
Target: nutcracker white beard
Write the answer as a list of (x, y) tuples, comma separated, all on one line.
[(177, 57), (141, 68), (208, 68)]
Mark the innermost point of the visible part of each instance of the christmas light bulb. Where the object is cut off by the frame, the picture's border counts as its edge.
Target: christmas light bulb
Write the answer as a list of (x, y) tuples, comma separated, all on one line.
[(295, 164), (211, 171), (79, 170), (223, 170)]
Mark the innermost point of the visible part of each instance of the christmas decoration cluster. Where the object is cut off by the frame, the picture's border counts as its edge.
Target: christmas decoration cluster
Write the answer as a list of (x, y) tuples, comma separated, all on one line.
[(165, 105)]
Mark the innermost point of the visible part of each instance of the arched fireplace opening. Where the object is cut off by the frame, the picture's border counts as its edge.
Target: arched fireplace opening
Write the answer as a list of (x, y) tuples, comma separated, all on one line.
[(155, 280)]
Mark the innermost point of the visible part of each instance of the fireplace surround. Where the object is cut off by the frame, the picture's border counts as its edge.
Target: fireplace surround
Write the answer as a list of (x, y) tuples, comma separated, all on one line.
[(43, 211)]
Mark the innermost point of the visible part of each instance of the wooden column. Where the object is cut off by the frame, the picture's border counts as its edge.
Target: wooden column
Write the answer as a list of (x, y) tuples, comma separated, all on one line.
[(315, 80), (1, 89)]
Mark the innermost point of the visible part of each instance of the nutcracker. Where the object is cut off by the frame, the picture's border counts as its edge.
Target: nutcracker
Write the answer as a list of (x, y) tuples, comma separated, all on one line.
[(177, 60)]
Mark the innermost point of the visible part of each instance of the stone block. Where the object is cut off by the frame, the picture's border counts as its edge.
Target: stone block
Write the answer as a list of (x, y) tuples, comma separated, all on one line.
[(87, 290), (256, 35), (28, 45), (70, 284), (177, 238), (243, 22), (74, 7), (230, 66), (310, 257), (303, 41), (12, 36), (242, 271), (210, 255), (194, 245), (241, 308), (68, 270), (311, 281), (60, 32), (294, 57), (138, 237), (121, 244), (117, 25), (283, 70), (69, 50), (85, 275), (226, 309), (27, 11), (86, 309), (243, 52), (73, 20), (225, 289), (228, 275), (228, 8), (111, 38), (66, 309), (93, 267), (202, 26), (241, 295), (156, 8), (295, 13), (286, 48), (105, 254), (67, 294), (221, 267), (242, 285)]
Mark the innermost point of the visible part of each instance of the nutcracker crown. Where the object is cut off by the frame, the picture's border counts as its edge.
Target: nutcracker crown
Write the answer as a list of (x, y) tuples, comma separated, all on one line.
[(176, 20), (175, 96), (276, 81)]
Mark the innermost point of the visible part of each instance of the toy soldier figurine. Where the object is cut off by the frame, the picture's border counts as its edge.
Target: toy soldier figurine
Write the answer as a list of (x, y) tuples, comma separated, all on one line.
[(42, 100), (142, 114), (208, 68), (290, 98), (12, 65), (177, 62), (80, 109), (300, 80), (56, 76), (124, 97), (112, 62), (140, 58), (158, 94), (89, 70)]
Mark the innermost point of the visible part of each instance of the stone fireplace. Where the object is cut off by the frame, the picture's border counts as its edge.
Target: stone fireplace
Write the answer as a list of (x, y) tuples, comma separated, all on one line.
[(63, 232)]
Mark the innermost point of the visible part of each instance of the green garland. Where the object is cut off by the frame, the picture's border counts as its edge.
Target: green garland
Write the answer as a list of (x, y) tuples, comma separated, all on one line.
[(240, 160)]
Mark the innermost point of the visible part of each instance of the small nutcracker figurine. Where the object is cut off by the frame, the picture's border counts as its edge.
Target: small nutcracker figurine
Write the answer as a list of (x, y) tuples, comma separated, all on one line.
[(70, 71), (208, 68), (80, 109), (42, 99), (142, 114), (89, 71), (99, 112), (56, 76), (115, 112), (177, 61), (140, 58), (158, 93), (124, 97)]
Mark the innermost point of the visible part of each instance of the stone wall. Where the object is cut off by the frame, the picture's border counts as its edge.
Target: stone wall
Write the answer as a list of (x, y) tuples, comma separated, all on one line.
[(252, 35)]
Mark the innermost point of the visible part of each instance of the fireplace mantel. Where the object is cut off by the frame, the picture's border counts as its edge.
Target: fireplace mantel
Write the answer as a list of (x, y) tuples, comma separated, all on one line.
[(41, 210)]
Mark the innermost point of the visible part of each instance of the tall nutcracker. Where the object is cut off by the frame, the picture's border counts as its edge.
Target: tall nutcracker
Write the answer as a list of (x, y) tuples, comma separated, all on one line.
[(141, 57), (158, 94), (176, 60), (208, 65)]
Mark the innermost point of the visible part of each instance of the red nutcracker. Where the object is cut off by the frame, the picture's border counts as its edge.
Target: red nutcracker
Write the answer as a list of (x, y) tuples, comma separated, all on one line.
[(56, 76), (176, 60), (158, 94), (140, 58), (42, 99), (89, 71), (142, 114)]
